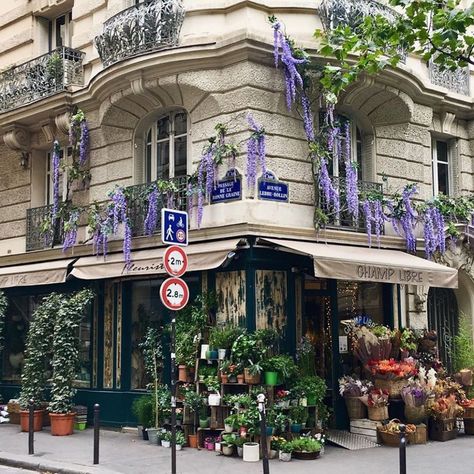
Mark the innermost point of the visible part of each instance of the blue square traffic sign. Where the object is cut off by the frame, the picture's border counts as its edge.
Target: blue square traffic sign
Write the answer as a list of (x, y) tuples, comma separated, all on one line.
[(174, 227)]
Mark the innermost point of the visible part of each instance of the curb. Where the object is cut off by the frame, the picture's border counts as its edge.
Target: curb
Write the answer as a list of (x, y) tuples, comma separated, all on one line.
[(32, 463)]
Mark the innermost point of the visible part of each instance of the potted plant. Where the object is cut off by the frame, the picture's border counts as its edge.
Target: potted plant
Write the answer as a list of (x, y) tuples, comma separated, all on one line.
[(252, 373), (203, 417), (391, 375), (275, 444), (194, 401), (284, 367), (143, 408), (222, 338), (251, 452), (314, 389), (352, 390), (443, 414), (38, 347), (239, 443), (210, 443), (224, 370), (180, 440), (284, 453), (376, 402), (213, 385), (65, 360), (298, 416), (228, 443), (306, 448), (283, 398), (166, 439), (185, 352)]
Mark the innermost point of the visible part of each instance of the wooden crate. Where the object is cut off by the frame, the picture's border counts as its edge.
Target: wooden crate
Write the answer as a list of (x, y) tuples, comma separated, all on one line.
[(420, 435), (365, 427)]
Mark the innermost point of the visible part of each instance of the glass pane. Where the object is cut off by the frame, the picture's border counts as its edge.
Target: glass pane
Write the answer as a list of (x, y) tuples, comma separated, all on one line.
[(442, 151), (163, 128), (180, 124), (61, 31), (83, 377), (180, 145), (163, 160), (147, 311), (443, 179), (148, 158)]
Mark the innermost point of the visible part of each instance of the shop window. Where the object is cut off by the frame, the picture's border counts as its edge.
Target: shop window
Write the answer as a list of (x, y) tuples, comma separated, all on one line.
[(83, 377), (441, 165), (166, 147)]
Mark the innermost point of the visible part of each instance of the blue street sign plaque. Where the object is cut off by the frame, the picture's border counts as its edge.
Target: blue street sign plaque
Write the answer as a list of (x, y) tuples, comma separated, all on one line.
[(174, 227), (228, 189), (270, 189)]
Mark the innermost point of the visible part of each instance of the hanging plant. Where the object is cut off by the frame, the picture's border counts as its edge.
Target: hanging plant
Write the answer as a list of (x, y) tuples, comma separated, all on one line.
[(55, 164), (70, 229), (256, 151), (118, 215), (151, 219), (3, 312), (352, 192)]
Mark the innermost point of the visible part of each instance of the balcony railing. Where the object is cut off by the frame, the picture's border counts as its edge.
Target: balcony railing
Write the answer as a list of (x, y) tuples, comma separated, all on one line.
[(41, 77), (148, 26), (344, 219), (456, 81), (138, 203), (36, 239)]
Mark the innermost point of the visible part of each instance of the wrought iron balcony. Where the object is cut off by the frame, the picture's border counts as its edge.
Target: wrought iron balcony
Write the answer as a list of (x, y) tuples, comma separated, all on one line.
[(36, 239), (344, 219), (41, 77), (148, 26), (456, 81), (138, 203)]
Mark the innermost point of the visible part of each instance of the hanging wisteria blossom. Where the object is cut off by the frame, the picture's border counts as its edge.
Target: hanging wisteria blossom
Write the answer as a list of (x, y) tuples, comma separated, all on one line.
[(55, 163), (256, 151), (151, 219), (70, 230), (206, 167), (352, 192)]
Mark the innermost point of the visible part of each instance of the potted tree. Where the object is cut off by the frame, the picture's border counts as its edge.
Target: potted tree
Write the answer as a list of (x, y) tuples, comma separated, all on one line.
[(153, 358), (65, 360), (38, 347), (143, 408), (194, 402)]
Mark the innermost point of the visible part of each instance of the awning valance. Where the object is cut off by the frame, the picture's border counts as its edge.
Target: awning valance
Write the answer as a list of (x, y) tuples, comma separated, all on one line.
[(201, 256), (369, 264), (46, 273)]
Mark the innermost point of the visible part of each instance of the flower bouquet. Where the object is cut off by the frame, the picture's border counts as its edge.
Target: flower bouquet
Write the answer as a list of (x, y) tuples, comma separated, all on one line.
[(376, 402), (283, 398), (414, 395), (392, 375), (352, 389), (468, 417), (371, 344), (444, 412), (389, 434)]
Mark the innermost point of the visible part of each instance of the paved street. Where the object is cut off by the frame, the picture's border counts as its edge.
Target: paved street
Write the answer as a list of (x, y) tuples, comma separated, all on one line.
[(13, 470), (127, 454)]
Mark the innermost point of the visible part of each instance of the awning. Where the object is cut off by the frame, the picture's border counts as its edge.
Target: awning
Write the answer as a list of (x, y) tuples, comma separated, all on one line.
[(46, 273), (201, 256), (369, 264)]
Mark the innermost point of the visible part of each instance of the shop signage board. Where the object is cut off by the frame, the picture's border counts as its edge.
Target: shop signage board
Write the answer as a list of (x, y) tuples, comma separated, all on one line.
[(174, 227), (175, 261), (227, 189), (174, 293), (270, 189)]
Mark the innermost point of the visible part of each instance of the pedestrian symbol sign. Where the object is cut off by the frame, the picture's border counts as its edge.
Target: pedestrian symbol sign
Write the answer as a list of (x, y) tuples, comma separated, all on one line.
[(174, 227)]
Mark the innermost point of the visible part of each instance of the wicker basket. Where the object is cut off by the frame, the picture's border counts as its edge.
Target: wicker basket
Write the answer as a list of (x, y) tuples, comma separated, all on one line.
[(469, 413), (388, 438), (355, 408), (306, 456), (393, 387), (415, 415), (443, 430), (378, 413)]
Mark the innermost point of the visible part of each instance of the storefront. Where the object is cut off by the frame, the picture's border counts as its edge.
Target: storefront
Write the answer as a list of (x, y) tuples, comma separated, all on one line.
[(299, 288)]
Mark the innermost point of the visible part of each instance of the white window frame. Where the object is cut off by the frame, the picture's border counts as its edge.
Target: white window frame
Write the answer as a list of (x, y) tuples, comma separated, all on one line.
[(354, 157), (68, 27), (171, 146), (48, 175), (434, 165)]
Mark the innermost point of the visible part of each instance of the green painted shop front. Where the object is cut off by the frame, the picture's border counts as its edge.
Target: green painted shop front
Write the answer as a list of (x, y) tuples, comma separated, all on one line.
[(256, 287)]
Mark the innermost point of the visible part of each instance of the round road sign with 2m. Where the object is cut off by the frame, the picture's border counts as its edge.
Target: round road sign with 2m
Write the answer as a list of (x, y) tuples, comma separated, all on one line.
[(174, 294), (175, 261)]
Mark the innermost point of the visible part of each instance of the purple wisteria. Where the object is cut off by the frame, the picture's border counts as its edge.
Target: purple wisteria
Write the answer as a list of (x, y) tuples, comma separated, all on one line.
[(409, 218), (117, 215), (307, 117), (206, 167), (79, 137), (151, 219), (84, 143), (330, 193), (256, 151), (283, 52), (352, 193), (367, 210), (70, 230), (55, 163), (434, 232)]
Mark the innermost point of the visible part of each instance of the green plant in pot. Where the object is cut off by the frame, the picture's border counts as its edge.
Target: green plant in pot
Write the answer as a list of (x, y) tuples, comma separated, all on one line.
[(194, 402), (143, 408), (203, 417), (65, 360), (253, 373), (180, 440), (228, 442), (222, 338), (313, 388), (298, 416), (38, 349)]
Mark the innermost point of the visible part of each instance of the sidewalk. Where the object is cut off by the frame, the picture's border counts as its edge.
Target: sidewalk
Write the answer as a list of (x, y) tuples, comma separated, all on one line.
[(126, 453)]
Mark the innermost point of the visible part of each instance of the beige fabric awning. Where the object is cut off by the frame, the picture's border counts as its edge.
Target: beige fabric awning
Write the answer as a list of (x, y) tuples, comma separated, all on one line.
[(369, 264), (201, 256), (34, 274)]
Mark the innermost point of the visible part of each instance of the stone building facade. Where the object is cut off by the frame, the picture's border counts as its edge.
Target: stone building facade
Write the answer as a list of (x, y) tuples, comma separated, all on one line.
[(211, 63)]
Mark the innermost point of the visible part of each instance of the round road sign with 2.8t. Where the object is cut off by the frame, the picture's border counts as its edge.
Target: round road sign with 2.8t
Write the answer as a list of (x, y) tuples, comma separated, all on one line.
[(174, 294), (175, 261)]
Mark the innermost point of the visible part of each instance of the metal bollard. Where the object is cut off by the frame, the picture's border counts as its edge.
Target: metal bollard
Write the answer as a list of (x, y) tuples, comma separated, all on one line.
[(31, 421), (263, 432), (403, 450), (96, 433)]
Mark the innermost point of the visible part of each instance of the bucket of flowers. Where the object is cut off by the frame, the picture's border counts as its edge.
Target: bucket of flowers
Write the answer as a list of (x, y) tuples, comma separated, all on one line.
[(415, 396), (443, 414), (468, 417), (377, 404), (392, 375), (352, 389)]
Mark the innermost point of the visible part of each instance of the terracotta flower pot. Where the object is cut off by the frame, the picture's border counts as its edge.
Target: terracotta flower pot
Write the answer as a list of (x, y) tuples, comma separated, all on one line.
[(251, 379), (37, 420), (240, 378), (62, 424), (193, 441), (224, 378), (182, 373)]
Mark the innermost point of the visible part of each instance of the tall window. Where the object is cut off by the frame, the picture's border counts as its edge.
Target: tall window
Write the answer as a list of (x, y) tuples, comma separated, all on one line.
[(441, 167), (49, 178), (60, 31), (166, 147)]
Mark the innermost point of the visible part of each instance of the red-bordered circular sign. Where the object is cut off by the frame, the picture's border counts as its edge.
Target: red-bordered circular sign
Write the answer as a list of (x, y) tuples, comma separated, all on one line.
[(175, 261), (174, 294)]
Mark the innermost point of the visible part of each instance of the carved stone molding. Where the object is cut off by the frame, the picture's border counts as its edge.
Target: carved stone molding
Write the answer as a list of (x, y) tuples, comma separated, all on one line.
[(62, 122), (48, 131), (17, 138), (420, 295), (447, 122), (459, 256)]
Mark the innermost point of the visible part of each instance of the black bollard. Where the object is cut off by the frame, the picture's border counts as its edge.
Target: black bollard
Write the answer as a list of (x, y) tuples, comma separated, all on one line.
[(403, 450), (31, 421), (96, 433), (263, 432)]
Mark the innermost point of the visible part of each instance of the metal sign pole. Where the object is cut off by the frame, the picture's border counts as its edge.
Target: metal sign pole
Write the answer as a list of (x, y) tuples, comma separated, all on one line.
[(173, 393), (263, 432), (403, 450)]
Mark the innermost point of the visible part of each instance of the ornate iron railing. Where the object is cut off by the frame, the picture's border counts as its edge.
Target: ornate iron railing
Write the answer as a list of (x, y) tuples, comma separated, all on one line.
[(41, 77), (138, 203), (145, 27), (456, 81), (36, 239), (344, 219)]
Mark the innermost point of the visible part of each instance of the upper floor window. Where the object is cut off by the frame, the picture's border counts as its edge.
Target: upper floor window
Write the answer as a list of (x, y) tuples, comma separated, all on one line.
[(441, 163), (60, 31), (49, 177), (166, 143)]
